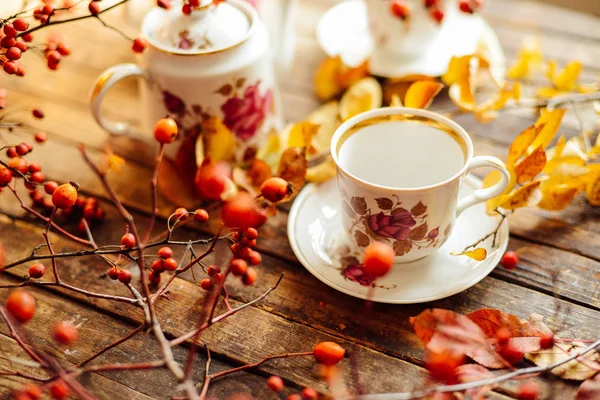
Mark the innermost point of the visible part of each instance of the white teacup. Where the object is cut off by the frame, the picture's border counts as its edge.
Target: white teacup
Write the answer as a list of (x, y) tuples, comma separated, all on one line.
[(399, 172), (213, 63)]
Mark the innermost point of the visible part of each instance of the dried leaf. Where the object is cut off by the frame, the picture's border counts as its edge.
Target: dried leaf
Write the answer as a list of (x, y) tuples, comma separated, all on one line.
[(259, 172), (551, 122), (462, 94), (302, 134), (521, 143), (332, 77), (421, 93), (321, 172), (292, 168), (328, 119), (531, 165), (225, 90), (589, 389), (401, 247), (362, 96), (555, 198), (271, 149), (490, 320), (419, 209), (479, 254), (567, 80), (486, 111), (173, 187), (592, 191), (529, 60), (526, 195), (241, 178), (219, 142), (471, 373), (361, 239), (359, 205), (490, 180), (574, 369), (114, 163), (458, 70), (419, 232)]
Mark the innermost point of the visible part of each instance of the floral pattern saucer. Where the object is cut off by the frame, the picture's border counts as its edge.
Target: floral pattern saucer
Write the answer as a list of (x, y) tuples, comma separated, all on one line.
[(318, 239)]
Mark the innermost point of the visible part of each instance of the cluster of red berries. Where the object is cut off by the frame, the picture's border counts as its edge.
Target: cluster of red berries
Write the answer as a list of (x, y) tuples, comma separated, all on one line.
[(13, 46), (54, 51), (42, 13), (188, 6), (401, 9), (276, 384), (58, 390), (510, 352), (165, 262)]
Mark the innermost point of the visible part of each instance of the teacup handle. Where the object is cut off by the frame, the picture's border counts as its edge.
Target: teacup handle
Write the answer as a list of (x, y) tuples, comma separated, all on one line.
[(103, 84), (481, 195)]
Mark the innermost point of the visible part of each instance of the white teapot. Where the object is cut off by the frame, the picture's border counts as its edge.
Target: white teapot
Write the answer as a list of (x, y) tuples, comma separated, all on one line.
[(213, 63)]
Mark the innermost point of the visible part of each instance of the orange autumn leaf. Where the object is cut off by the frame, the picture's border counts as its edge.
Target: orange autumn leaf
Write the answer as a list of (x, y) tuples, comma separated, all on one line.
[(421, 93), (592, 191), (332, 77), (362, 96), (219, 142), (458, 70), (567, 79), (479, 254), (302, 134), (531, 165), (490, 180), (550, 121), (259, 172), (490, 320), (523, 196), (174, 187), (292, 168), (555, 198), (529, 60), (521, 143)]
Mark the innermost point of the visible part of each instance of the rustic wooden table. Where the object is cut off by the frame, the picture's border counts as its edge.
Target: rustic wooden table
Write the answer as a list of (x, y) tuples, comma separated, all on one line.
[(302, 311)]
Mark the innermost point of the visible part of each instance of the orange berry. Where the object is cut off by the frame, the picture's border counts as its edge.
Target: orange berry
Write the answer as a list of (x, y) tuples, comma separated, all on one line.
[(158, 266), (165, 130), (510, 259), (442, 366), (255, 258), (165, 252), (378, 259), (275, 189), (21, 305), (59, 390), (238, 267), (329, 353), (113, 273), (170, 264), (180, 215), (309, 394), (50, 187), (400, 9), (124, 276), (37, 270), (65, 195), (251, 234), (6, 176), (241, 211), (206, 284), (139, 45), (275, 383), (249, 277), (94, 8), (437, 15), (65, 333), (201, 215), (529, 391), (211, 179), (32, 392), (128, 240)]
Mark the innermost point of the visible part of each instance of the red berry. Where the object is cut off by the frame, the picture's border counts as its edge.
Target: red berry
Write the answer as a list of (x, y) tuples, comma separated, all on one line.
[(165, 130), (22, 46), (206, 284), (6, 176), (186, 9), (294, 396), (212, 179), (139, 45), (53, 56), (37, 113), (13, 53), (50, 187), (528, 391), (48, 9), (309, 394), (251, 234), (38, 177), (166, 4), (165, 252), (128, 240), (34, 167), (41, 137), (154, 278), (329, 353), (437, 15), (510, 259), (21, 305), (429, 3), (22, 149), (249, 277), (59, 390), (194, 3), (378, 260), (20, 164), (511, 354), (63, 49), (10, 67), (170, 264), (275, 383), (218, 278), (11, 152), (465, 6), (201, 215), (37, 270), (241, 211), (180, 215), (503, 335), (8, 42), (238, 267), (65, 195), (9, 30), (158, 266), (547, 341), (32, 392), (255, 258), (94, 8), (275, 189), (442, 366), (28, 37), (400, 9), (20, 24), (113, 273), (124, 276), (212, 270), (65, 333)]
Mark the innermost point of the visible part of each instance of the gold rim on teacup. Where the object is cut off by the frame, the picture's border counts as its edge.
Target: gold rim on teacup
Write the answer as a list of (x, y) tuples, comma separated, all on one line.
[(395, 114), (243, 6)]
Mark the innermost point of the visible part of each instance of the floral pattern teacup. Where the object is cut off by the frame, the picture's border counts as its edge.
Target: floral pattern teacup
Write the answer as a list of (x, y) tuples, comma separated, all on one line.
[(414, 220)]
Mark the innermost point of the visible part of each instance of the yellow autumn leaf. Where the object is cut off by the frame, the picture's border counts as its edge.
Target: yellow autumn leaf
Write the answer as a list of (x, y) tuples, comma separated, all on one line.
[(516, 91), (555, 198), (362, 96), (421, 93), (479, 254), (531, 165), (490, 180), (462, 94), (328, 119), (458, 70), (547, 92), (551, 122), (486, 111), (526, 195), (302, 134), (571, 175), (556, 161), (529, 60), (396, 102), (592, 190), (326, 78), (321, 172), (521, 143), (567, 80), (218, 140), (114, 163), (550, 71), (560, 146)]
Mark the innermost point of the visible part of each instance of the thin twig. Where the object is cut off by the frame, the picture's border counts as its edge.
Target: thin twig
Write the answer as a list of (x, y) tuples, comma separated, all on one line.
[(116, 343), (154, 191)]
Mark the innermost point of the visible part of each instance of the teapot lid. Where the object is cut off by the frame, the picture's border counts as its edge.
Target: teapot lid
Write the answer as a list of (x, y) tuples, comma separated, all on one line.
[(208, 29)]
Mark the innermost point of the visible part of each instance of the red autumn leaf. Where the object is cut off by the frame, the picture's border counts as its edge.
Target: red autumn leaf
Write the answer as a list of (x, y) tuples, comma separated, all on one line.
[(444, 330), (474, 372), (490, 320)]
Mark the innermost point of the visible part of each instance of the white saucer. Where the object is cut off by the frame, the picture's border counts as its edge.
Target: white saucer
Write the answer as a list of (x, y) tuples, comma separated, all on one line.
[(317, 238), (343, 30)]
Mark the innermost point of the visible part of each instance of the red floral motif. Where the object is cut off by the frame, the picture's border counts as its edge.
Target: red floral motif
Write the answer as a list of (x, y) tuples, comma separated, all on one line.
[(244, 115), (433, 233), (392, 226), (355, 273), (173, 103)]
